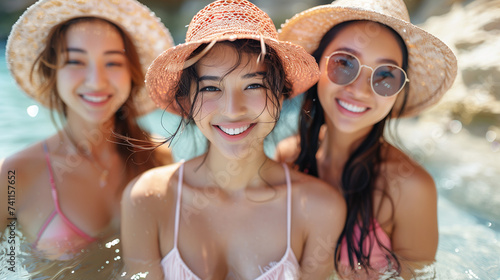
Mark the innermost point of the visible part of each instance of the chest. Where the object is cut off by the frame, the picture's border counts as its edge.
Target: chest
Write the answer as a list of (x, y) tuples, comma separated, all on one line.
[(237, 240), (84, 202)]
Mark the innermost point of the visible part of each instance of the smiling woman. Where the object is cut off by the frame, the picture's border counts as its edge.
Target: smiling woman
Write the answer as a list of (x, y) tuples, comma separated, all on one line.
[(93, 79), (374, 68), (88, 66), (230, 104), (230, 78)]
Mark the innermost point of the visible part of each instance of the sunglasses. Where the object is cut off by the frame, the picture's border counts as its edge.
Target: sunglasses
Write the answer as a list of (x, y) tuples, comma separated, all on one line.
[(343, 68)]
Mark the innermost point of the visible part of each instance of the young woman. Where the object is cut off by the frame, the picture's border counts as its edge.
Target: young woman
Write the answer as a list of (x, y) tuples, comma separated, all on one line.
[(85, 61), (231, 213), (375, 66)]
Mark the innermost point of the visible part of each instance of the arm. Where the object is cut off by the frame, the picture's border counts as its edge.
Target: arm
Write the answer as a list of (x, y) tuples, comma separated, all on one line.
[(415, 233), (325, 217), (139, 232)]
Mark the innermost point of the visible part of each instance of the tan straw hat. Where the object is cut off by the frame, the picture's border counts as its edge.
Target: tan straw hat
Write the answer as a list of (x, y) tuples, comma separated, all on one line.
[(220, 21), (432, 67), (29, 37)]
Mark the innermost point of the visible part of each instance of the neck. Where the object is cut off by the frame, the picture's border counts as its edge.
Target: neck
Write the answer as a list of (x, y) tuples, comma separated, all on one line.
[(233, 174), (91, 139), (337, 146)]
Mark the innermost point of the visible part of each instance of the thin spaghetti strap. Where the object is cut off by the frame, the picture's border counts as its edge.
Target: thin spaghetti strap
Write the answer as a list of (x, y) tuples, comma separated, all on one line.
[(288, 205), (55, 198), (44, 226), (54, 195), (178, 203)]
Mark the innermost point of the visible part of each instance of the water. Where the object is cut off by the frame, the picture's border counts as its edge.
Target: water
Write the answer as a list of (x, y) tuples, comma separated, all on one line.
[(465, 167)]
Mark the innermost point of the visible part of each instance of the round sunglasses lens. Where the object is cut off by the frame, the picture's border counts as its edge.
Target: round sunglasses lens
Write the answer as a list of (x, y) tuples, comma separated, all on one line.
[(342, 68), (388, 80)]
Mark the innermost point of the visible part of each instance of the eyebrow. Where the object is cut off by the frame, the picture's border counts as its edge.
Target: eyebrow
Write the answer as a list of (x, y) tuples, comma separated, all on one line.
[(246, 76), (122, 52), (255, 74), (358, 54)]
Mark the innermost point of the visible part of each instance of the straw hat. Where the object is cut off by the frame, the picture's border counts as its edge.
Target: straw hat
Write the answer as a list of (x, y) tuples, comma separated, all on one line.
[(432, 67), (29, 36), (227, 20)]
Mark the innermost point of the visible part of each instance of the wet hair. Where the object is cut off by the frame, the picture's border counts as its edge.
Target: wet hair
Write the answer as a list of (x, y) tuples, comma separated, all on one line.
[(51, 59), (187, 89), (362, 168)]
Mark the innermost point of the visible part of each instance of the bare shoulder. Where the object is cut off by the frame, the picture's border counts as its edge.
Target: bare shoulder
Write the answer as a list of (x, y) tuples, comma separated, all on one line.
[(288, 149), (28, 166), (163, 155), (19, 173), (414, 233), (316, 196), (26, 158), (408, 179), (151, 185)]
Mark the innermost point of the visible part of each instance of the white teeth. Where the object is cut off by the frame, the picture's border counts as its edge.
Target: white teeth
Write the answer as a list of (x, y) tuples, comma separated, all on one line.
[(95, 99), (234, 131), (352, 108)]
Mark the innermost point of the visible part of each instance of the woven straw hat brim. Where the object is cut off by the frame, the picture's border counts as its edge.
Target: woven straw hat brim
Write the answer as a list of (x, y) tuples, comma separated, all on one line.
[(432, 66), (29, 34), (164, 73)]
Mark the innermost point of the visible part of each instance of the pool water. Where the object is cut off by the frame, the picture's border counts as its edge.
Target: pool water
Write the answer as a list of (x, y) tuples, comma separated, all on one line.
[(466, 169)]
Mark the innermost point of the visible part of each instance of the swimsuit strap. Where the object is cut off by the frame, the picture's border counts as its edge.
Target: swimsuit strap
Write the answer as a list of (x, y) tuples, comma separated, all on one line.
[(178, 204), (44, 227), (179, 194), (56, 202), (288, 204), (54, 194)]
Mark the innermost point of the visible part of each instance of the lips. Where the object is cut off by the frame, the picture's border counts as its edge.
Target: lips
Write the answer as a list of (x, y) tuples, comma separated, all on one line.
[(95, 98), (234, 131), (351, 107)]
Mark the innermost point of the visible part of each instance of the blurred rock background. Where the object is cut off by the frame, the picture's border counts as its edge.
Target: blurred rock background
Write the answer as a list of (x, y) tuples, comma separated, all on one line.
[(466, 122)]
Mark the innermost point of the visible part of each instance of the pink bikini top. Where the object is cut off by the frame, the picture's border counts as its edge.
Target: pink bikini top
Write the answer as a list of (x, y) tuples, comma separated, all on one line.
[(287, 268), (58, 237), (378, 256)]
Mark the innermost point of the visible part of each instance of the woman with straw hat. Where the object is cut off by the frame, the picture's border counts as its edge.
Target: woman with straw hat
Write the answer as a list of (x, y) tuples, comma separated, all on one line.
[(375, 66), (231, 213), (85, 60)]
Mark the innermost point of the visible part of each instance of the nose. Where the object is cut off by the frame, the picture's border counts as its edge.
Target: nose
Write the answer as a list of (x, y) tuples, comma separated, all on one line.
[(362, 85), (234, 104), (96, 78)]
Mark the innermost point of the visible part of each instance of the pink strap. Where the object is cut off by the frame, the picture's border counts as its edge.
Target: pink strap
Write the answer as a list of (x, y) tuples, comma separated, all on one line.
[(178, 204), (44, 226), (53, 214), (288, 205), (56, 204), (288, 201)]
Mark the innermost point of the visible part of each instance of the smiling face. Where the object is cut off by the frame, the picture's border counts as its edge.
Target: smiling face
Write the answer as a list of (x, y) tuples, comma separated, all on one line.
[(93, 79), (233, 109), (355, 108)]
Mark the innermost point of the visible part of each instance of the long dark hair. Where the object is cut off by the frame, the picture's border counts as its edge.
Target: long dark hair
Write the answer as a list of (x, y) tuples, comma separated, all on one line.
[(125, 119), (275, 80), (361, 170)]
